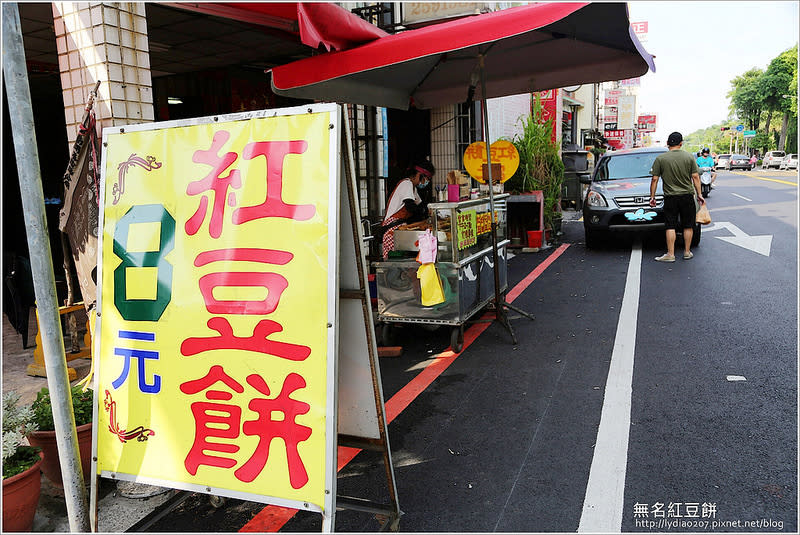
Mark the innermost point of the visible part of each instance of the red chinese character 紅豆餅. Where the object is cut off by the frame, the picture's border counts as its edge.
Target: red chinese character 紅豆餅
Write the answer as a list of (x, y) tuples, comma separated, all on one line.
[(222, 421), (274, 283), (217, 185), (259, 342)]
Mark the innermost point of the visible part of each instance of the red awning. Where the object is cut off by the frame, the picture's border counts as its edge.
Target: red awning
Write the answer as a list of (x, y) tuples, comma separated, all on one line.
[(316, 24), (524, 49)]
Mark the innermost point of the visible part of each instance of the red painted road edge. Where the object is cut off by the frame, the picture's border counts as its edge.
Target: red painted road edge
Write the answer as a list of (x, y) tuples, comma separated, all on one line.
[(272, 518)]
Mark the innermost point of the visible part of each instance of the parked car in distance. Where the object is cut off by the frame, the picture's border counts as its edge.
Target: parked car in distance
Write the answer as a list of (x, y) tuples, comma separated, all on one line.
[(772, 158), (739, 161), (722, 161), (789, 162), (618, 198)]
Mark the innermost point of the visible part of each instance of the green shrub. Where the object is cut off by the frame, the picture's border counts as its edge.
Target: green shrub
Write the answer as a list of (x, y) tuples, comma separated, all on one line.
[(17, 423), (540, 165), (82, 407)]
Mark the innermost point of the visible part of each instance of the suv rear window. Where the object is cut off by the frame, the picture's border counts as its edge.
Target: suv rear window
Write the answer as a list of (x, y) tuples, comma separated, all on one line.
[(776, 154), (626, 166)]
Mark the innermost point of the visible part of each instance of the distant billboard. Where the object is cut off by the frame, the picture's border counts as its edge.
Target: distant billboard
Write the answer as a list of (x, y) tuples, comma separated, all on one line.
[(426, 11), (627, 112), (640, 29), (646, 123)]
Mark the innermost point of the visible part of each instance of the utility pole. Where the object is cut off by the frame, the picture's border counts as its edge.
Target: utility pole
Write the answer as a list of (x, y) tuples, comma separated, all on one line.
[(30, 184)]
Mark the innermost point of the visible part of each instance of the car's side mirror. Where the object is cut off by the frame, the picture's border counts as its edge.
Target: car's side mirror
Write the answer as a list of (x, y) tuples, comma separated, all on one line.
[(585, 179)]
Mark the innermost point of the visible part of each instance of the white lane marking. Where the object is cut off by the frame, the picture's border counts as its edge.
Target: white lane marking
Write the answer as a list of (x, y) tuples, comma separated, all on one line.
[(757, 244), (602, 505), (742, 197), (733, 378)]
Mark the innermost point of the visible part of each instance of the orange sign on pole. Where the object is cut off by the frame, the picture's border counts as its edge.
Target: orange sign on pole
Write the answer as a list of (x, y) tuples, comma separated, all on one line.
[(503, 153)]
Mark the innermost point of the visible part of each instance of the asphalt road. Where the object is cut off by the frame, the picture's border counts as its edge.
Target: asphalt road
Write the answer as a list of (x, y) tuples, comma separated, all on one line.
[(669, 398)]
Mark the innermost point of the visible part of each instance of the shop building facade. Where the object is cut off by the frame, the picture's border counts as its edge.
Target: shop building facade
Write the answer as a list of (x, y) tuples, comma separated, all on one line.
[(161, 61)]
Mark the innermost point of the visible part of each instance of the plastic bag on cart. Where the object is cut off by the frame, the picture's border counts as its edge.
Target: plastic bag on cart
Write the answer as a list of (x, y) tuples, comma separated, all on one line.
[(428, 247), (430, 285)]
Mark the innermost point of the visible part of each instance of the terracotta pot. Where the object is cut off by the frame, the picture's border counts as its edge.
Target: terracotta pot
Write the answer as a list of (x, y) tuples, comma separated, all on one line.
[(21, 497), (52, 466)]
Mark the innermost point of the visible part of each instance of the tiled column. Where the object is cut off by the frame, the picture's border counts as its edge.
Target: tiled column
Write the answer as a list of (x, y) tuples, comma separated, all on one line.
[(105, 41)]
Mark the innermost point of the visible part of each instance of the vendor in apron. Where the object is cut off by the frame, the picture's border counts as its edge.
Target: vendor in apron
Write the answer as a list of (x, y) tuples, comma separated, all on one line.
[(405, 205)]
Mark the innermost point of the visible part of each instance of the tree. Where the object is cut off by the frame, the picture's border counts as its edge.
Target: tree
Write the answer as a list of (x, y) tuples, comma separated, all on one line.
[(774, 84), (762, 141), (746, 98), (789, 104), (711, 137)]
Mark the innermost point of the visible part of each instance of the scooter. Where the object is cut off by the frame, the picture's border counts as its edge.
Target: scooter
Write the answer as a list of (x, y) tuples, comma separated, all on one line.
[(705, 181)]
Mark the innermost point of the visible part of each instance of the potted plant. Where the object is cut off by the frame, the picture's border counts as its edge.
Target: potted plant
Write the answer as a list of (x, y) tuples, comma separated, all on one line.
[(45, 436), (22, 481), (540, 166)]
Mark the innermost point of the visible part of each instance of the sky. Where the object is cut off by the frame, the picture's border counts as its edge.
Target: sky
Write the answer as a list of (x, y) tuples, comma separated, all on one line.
[(699, 48)]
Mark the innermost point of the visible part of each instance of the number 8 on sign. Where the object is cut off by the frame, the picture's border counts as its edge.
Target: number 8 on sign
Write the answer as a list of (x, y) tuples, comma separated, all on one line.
[(143, 281)]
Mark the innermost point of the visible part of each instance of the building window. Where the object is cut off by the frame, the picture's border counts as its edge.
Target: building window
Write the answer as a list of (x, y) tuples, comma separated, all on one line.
[(468, 128), (380, 14)]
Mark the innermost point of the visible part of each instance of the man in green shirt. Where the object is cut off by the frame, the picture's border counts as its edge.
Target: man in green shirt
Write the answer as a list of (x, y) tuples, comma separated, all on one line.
[(678, 170)]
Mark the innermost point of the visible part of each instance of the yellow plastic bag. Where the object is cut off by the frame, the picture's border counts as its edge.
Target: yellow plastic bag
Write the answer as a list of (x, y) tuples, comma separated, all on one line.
[(430, 285)]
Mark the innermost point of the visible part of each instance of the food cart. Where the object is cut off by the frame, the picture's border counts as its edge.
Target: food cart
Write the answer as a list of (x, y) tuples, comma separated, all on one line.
[(464, 265)]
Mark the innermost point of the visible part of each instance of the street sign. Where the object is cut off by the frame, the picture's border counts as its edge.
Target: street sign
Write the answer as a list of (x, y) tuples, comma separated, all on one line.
[(627, 112), (739, 128), (614, 134), (504, 153), (749, 133), (646, 123)]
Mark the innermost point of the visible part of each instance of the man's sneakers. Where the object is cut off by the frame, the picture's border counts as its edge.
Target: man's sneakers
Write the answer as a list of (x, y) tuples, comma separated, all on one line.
[(666, 257)]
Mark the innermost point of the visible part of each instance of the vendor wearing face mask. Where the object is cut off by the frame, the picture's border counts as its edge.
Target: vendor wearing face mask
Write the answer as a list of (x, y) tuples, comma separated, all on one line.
[(405, 204)]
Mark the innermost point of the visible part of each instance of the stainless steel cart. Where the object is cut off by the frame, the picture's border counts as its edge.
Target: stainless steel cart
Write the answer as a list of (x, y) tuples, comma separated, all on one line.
[(464, 263)]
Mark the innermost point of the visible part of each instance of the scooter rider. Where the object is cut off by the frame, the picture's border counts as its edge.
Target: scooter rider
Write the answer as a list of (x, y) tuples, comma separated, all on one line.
[(705, 160)]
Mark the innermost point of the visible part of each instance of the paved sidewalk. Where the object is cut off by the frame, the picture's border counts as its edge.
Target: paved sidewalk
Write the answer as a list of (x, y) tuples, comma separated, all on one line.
[(128, 504)]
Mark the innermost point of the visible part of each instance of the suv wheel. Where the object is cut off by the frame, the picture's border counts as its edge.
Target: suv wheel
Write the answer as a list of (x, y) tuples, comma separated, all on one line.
[(593, 238), (696, 235)]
